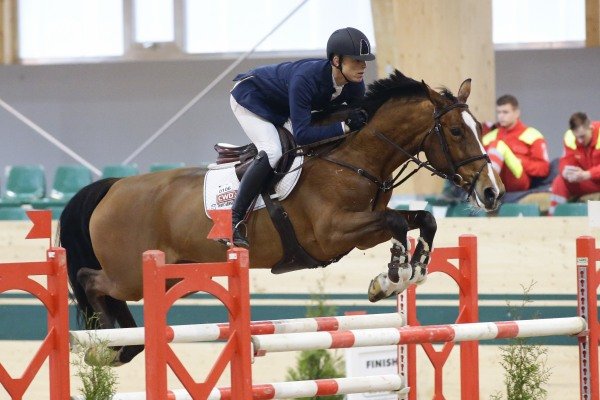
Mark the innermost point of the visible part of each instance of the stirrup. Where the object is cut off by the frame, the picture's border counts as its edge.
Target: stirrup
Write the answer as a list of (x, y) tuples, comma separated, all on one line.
[(238, 238)]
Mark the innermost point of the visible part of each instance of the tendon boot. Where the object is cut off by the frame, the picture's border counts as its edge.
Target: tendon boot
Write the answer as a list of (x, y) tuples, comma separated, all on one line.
[(251, 185)]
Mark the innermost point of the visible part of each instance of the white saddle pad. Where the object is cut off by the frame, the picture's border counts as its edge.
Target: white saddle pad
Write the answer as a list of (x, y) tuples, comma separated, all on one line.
[(221, 185)]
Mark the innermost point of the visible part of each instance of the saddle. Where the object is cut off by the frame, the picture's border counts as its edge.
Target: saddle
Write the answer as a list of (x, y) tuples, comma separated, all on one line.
[(243, 155), (294, 255)]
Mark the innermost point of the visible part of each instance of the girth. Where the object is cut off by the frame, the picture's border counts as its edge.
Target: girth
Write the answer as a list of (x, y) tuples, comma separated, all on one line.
[(294, 256)]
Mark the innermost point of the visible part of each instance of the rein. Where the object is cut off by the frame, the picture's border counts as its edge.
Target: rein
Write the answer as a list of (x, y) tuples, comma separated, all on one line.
[(396, 181)]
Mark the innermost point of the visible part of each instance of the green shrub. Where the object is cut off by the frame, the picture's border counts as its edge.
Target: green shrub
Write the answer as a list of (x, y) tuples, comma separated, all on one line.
[(525, 370), (99, 379)]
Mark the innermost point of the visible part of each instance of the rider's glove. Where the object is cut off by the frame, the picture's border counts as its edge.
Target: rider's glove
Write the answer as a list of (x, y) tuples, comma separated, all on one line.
[(356, 119)]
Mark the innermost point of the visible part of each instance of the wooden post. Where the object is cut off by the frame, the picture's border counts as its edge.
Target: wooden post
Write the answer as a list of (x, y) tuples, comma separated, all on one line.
[(8, 31), (443, 43), (592, 23)]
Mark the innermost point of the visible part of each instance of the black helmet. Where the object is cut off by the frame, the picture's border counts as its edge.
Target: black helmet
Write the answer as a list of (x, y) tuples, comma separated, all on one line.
[(349, 42)]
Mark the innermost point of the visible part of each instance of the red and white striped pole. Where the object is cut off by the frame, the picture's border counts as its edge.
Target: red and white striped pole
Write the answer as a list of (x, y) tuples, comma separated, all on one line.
[(418, 334), (286, 390), (212, 332)]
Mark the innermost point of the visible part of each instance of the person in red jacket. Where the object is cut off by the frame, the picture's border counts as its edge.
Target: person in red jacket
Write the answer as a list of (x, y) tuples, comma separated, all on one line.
[(518, 152), (579, 167)]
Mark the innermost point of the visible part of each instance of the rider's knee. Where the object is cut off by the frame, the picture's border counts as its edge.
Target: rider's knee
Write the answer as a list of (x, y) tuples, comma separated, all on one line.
[(273, 153)]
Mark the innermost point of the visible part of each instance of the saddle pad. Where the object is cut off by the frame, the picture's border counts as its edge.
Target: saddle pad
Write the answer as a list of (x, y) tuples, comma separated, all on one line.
[(221, 185)]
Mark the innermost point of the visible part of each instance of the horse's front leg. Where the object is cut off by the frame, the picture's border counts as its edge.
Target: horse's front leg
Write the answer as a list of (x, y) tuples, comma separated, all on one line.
[(396, 279), (425, 221)]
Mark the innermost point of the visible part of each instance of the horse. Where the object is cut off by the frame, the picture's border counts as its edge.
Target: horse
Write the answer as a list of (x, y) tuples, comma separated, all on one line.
[(339, 203)]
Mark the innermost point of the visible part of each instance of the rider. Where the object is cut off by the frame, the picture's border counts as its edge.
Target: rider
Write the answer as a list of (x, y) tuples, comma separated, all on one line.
[(287, 93)]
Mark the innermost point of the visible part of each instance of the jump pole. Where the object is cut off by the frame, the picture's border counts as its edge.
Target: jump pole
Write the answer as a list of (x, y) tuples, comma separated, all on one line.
[(211, 332), (285, 390), (421, 334)]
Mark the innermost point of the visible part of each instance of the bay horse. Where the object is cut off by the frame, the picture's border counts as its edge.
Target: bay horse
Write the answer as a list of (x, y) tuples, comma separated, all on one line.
[(339, 203)]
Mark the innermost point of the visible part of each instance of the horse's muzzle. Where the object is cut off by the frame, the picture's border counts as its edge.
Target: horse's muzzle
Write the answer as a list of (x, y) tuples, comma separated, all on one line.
[(491, 198)]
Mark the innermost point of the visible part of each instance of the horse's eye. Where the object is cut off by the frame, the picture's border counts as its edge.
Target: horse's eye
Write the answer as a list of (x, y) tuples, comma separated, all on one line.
[(456, 131)]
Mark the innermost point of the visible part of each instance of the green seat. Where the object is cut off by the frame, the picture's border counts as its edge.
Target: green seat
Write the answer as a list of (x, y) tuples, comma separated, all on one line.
[(24, 183), (166, 166), (402, 207), (119, 170), (571, 210), (68, 180), (56, 211), (519, 210), (15, 213), (464, 210)]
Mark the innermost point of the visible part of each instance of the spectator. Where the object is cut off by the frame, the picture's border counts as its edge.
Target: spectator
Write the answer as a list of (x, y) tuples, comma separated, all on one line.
[(518, 152), (579, 168)]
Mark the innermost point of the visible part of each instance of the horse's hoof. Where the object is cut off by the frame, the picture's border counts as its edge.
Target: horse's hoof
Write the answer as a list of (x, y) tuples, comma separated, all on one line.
[(376, 292), (381, 288), (99, 356)]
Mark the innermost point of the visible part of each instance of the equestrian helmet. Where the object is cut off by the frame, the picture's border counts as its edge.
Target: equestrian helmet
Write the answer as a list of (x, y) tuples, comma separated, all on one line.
[(349, 42)]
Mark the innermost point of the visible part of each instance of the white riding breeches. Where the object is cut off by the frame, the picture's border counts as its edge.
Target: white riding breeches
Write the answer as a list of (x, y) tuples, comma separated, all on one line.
[(260, 131)]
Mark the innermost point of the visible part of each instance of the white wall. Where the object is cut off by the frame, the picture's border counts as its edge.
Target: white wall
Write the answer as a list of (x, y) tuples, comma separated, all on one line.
[(105, 111)]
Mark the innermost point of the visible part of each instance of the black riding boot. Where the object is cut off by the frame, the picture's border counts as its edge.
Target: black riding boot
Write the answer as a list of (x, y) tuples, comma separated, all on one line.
[(251, 184)]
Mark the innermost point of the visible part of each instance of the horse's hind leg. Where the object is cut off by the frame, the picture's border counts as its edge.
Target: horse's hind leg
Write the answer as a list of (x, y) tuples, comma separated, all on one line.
[(96, 286), (107, 310), (125, 320)]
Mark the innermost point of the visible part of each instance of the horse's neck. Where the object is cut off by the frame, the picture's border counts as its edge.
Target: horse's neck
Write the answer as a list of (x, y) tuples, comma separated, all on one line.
[(404, 123)]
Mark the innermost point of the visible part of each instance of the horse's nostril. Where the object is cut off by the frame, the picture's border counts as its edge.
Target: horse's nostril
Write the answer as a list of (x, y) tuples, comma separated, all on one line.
[(489, 195)]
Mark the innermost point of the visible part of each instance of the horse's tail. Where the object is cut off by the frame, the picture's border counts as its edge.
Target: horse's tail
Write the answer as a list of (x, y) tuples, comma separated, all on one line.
[(75, 238)]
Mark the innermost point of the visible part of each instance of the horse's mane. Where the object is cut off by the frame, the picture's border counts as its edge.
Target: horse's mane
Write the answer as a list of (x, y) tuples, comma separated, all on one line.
[(396, 85), (444, 91)]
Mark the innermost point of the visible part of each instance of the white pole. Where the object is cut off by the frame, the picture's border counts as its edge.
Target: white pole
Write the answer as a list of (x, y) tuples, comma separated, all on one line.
[(286, 390), (49, 137), (418, 334), (207, 89), (212, 332)]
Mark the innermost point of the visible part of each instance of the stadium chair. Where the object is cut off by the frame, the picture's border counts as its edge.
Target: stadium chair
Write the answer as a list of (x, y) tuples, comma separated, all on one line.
[(464, 210), (15, 213), (519, 210), (68, 179), (165, 166), (24, 183), (119, 170), (571, 210)]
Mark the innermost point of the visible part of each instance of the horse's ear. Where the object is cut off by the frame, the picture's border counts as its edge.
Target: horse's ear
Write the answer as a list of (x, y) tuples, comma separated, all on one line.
[(464, 91)]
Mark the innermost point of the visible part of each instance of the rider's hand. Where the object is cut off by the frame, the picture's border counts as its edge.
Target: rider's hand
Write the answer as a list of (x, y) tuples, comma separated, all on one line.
[(356, 119)]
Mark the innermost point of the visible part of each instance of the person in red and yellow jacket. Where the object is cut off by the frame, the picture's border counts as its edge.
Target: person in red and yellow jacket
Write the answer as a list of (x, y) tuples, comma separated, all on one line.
[(518, 152), (579, 167)]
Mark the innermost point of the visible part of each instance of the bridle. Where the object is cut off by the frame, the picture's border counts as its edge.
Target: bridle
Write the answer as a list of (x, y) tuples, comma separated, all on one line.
[(453, 166)]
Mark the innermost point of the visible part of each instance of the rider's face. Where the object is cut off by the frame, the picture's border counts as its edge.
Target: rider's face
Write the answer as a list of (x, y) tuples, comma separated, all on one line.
[(354, 70)]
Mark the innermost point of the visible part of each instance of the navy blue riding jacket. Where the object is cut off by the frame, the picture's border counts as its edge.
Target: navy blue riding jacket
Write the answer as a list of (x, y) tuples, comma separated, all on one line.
[(291, 90)]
